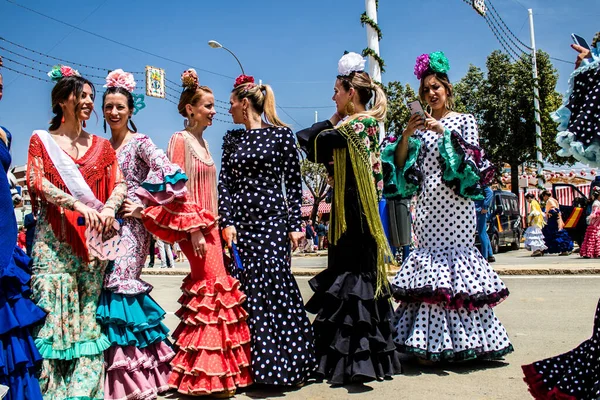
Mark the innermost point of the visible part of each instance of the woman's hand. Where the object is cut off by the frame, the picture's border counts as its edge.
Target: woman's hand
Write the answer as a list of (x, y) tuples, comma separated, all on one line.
[(229, 235), (131, 209), (198, 243), (583, 54), (335, 119), (108, 219), (433, 124), (92, 217), (295, 238), (415, 122)]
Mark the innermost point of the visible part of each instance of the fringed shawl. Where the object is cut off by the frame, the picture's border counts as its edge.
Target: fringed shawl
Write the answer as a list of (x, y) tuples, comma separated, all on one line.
[(99, 168), (364, 156)]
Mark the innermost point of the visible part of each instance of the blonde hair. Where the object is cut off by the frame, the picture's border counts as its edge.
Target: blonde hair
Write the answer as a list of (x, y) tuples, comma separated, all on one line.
[(262, 99), (366, 90), (443, 78), (191, 96)]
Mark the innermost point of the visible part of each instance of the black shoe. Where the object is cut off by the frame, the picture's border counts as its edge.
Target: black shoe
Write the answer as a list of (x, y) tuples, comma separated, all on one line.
[(491, 259), (150, 266)]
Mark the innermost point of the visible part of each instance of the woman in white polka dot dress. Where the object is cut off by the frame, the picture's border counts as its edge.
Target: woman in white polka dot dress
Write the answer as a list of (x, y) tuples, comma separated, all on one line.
[(446, 289), (266, 223), (353, 323)]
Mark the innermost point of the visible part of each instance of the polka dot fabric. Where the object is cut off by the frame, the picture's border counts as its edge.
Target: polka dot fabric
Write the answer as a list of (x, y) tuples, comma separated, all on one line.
[(251, 198), (570, 376), (445, 288)]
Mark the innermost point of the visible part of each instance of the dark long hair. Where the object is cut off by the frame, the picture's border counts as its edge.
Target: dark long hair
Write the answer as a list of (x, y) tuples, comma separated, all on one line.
[(130, 103), (61, 92)]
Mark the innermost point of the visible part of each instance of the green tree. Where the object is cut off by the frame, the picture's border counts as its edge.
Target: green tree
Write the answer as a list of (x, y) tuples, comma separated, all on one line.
[(398, 113), (314, 176), (468, 91)]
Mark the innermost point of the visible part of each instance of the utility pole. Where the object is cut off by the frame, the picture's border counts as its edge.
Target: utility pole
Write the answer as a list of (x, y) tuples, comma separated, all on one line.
[(316, 117), (536, 105)]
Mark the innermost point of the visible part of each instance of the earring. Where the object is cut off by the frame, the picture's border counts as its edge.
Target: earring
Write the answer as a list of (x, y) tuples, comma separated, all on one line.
[(245, 112), (349, 108), (133, 127), (104, 125), (185, 123), (84, 124), (62, 120), (192, 115)]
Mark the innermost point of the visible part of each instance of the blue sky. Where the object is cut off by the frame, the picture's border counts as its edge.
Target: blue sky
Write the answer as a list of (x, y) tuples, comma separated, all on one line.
[(292, 45)]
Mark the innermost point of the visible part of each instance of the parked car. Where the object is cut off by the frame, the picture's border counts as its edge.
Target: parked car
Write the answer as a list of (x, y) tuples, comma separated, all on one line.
[(504, 224), (574, 214)]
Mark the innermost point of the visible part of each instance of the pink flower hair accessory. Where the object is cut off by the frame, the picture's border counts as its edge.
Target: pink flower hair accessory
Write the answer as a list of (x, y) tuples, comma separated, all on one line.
[(189, 79), (60, 71), (120, 78), (422, 65)]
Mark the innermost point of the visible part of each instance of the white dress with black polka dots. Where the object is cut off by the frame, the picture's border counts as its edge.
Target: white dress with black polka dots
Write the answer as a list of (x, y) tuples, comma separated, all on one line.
[(445, 287), (572, 375), (251, 198)]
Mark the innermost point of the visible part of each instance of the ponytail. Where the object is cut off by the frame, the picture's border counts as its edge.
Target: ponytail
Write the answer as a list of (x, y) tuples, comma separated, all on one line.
[(379, 108), (269, 107), (262, 99)]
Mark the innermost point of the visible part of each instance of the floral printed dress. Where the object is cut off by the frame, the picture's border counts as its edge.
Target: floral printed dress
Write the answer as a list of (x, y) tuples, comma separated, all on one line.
[(353, 324), (19, 357), (66, 282), (138, 359)]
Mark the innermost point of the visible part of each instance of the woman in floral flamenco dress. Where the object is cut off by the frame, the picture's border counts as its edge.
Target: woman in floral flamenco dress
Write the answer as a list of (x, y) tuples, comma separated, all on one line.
[(353, 325), (18, 353), (213, 339), (534, 238), (591, 243), (138, 359), (445, 288), (71, 173)]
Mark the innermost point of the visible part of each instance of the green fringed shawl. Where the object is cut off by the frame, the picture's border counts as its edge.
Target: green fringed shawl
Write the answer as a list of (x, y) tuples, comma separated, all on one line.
[(360, 157)]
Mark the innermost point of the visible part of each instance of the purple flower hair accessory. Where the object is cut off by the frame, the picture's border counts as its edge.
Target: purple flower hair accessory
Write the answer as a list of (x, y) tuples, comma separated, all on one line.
[(421, 65)]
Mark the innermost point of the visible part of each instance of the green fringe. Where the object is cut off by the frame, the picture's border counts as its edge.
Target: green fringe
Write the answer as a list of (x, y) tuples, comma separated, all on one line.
[(339, 186)]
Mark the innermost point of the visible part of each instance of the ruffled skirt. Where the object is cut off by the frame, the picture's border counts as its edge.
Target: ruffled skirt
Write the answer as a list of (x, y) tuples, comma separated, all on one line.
[(138, 359), (213, 339), (534, 239), (558, 241), (18, 353), (353, 330), (574, 375), (446, 297), (591, 244)]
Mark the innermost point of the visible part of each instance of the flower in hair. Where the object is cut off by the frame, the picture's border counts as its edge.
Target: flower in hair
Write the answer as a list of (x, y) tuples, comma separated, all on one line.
[(189, 79), (351, 62), (120, 78), (436, 62), (60, 71), (240, 80)]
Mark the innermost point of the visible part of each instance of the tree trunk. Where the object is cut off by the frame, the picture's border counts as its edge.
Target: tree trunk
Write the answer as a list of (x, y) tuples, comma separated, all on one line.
[(514, 178)]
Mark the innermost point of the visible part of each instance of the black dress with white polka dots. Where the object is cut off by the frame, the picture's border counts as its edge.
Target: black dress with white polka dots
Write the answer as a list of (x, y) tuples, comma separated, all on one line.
[(255, 166), (573, 375), (353, 329), (446, 289)]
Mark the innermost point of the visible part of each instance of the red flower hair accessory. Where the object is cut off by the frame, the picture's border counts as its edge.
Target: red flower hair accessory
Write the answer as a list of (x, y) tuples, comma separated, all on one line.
[(242, 79), (189, 79)]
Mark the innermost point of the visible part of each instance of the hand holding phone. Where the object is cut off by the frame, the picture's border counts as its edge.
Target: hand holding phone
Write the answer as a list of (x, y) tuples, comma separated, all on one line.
[(415, 107), (578, 40), (583, 49)]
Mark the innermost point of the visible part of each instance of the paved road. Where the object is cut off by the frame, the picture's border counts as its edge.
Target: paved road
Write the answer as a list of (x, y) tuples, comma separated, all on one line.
[(544, 316)]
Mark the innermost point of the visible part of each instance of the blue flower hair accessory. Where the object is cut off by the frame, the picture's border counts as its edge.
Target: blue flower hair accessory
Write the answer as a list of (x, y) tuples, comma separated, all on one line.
[(138, 102)]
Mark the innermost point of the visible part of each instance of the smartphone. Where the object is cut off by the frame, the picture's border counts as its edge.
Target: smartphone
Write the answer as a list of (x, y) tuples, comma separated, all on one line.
[(580, 41), (415, 107)]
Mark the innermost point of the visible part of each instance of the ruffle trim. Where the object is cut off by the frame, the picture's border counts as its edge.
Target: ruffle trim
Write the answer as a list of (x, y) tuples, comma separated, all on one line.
[(591, 242), (18, 353), (137, 373), (352, 329), (159, 191), (405, 181), (449, 355), (131, 320), (213, 338), (537, 387), (76, 350), (174, 221), (449, 299), (465, 166), (23, 385)]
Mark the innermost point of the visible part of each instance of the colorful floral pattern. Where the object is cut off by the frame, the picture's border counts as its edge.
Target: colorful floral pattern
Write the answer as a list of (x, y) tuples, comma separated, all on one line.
[(367, 129)]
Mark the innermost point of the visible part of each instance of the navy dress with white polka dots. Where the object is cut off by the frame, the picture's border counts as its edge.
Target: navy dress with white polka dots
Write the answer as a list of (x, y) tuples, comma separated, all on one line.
[(446, 289), (256, 165), (573, 375)]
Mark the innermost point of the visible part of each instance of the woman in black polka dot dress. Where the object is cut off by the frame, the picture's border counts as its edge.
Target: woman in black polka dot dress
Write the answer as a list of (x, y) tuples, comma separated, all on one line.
[(445, 288), (265, 223)]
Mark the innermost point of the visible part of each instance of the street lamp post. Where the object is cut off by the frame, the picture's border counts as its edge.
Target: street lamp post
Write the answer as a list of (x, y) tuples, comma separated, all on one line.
[(216, 45)]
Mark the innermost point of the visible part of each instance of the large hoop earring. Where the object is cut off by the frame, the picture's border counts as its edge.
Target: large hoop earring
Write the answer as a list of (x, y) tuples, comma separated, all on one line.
[(349, 108), (185, 123)]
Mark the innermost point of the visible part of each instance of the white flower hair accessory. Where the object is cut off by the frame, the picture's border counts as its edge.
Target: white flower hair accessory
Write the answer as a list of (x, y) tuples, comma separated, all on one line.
[(349, 63)]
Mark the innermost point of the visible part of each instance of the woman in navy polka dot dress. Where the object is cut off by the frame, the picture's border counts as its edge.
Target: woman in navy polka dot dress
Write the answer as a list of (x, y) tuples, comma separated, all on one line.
[(265, 222), (445, 288)]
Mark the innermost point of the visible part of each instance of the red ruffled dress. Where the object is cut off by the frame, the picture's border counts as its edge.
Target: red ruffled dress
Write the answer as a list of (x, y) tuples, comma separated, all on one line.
[(213, 339)]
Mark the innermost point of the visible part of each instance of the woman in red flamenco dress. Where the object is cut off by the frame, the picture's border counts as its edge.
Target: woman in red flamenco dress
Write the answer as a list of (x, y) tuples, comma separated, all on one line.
[(212, 339)]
